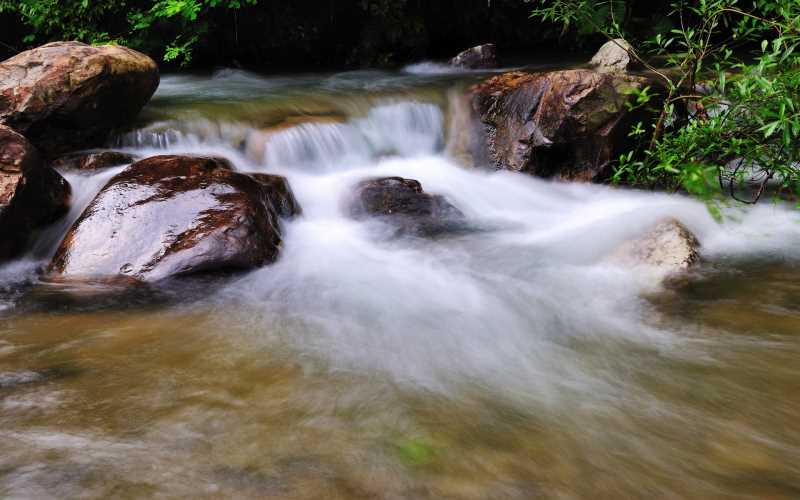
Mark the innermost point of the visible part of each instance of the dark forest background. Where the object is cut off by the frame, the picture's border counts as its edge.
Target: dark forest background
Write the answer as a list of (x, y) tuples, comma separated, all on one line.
[(294, 34)]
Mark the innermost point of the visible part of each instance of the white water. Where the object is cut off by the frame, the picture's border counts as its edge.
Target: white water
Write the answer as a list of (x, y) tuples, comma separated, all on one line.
[(498, 306), (523, 310)]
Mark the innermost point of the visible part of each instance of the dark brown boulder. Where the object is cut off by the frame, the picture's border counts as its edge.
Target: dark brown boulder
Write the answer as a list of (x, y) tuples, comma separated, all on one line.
[(402, 203), (563, 124), (168, 216), (68, 95), (482, 56), (89, 160), (281, 194), (31, 194)]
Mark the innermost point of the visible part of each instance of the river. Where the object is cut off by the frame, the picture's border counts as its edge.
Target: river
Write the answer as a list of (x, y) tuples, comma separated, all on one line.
[(511, 361)]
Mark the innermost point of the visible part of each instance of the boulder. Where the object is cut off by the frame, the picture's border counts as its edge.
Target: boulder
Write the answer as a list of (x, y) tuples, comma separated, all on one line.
[(563, 124), (31, 194), (668, 247), (282, 195), (613, 57), (169, 216), (479, 57), (403, 204), (89, 160), (68, 95)]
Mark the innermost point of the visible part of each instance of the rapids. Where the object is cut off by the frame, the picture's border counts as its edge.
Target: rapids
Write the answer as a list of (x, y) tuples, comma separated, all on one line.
[(510, 361)]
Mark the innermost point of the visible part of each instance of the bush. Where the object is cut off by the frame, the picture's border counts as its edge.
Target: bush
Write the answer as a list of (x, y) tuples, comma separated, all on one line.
[(730, 119)]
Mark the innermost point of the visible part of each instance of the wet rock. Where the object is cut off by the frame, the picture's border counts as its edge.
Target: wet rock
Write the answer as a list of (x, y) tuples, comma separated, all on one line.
[(281, 194), (169, 216), (562, 124), (481, 56), (402, 203), (32, 195), (462, 128), (613, 57), (669, 247), (68, 95), (257, 141), (92, 160)]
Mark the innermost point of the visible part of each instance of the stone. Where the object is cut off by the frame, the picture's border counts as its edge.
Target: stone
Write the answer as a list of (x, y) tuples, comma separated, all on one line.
[(169, 216), (403, 204), (32, 195), (613, 57), (568, 125), (257, 141), (669, 247), (479, 57), (281, 195), (89, 160), (65, 96)]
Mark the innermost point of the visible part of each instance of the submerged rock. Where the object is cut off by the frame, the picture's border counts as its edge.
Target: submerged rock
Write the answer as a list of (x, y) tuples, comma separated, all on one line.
[(669, 247), (563, 124), (174, 215), (68, 95), (92, 160), (257, 141), (481, 56), (32, 195), (402, 203), (18, 378), (613, 57)]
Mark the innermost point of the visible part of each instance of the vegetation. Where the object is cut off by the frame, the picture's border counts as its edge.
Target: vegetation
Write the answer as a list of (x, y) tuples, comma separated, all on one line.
[(728, 102), (182, 22), (729, 106), (272, 33)]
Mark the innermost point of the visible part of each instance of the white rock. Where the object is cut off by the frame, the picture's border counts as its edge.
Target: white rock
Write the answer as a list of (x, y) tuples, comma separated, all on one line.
[(669, 247), (613, 57)]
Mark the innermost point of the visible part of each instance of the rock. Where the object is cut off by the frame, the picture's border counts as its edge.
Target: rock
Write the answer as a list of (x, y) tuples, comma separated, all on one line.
[(282, 195), (613, 57), (169, 216), (669, 247), (32, 195), (562, 124), (402, 203), (462, 128), (257, 141), (92, 160), (68, 95), (481, 56)]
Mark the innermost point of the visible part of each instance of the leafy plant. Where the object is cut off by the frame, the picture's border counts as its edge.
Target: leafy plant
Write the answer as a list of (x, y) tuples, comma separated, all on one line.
[(730, 118), (175, 27)]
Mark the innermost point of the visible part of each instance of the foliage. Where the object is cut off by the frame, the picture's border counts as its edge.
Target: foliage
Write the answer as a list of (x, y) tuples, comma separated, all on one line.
[(730, 118), (147, 23)]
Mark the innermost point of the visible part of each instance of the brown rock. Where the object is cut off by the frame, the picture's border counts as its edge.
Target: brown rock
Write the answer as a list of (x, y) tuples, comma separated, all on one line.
[(257, 141), (402, 203), (31, 194), (168, 216), (92, 160), (68, 95), (562, 124), (481, 56), (281, 194)]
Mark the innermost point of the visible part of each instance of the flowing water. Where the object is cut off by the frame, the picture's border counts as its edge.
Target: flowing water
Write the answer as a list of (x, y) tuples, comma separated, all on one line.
[(511, 361)]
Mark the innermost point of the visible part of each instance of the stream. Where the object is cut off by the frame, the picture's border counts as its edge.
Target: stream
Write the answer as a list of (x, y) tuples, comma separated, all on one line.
[(510, 361)]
